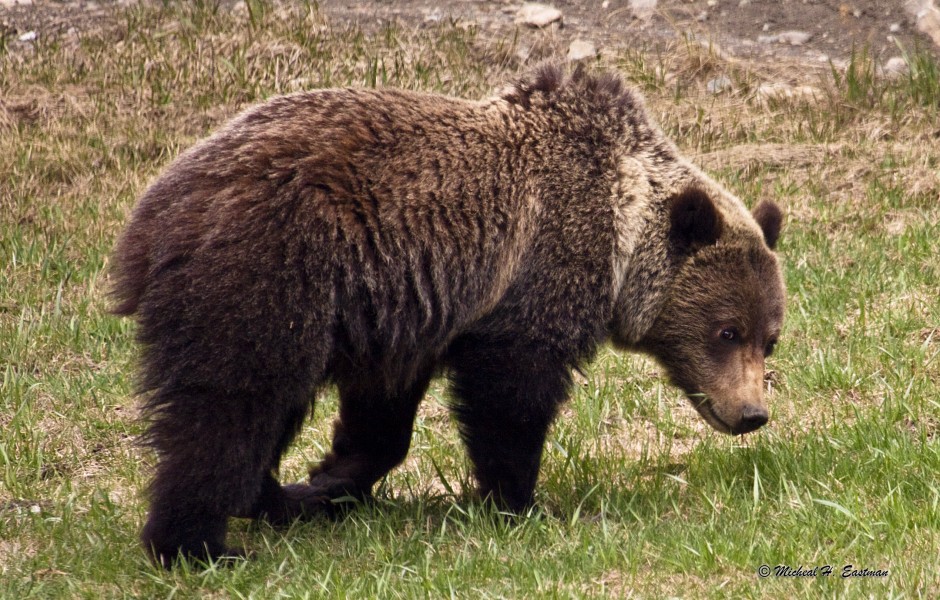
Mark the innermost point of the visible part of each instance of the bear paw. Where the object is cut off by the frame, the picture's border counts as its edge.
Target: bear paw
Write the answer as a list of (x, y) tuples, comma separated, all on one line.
[(297, 501), (168, 553)]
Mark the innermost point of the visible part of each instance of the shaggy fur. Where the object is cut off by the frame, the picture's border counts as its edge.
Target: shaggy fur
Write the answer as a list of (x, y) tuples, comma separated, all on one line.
[(373, 238)]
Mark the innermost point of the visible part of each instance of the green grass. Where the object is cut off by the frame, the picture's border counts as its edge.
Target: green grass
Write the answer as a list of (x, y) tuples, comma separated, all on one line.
[(636, 497)]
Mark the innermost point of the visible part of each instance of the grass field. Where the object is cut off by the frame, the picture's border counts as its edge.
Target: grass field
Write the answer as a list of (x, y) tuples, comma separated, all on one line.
[(637, 497)]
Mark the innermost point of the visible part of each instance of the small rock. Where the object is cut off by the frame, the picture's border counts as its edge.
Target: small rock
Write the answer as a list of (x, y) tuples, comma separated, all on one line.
[(712, 3), (840, 63), (927, 17), (12, 3), (794, 38), (643, 9), (766, 27), (29, 36), (702, 16), (896, 227), (743, 3), (895, 67), (807, 91), (895, 27), (782, 90), (718, 84), (580, 49), (605, 4), (35, 509), (534, 14), (767, 39), (773, 90)]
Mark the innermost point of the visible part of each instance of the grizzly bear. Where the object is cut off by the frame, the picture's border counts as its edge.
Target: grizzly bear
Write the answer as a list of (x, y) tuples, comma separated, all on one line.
[(372, 239)]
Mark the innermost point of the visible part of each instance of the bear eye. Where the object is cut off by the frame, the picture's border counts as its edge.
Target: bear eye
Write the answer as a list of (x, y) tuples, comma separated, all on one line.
[(769, 349), (730, 334)]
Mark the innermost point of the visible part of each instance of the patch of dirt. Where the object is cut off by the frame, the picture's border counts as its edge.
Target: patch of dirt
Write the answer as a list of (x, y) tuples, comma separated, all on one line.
[(741, 28), (773, 156), (836, 27)]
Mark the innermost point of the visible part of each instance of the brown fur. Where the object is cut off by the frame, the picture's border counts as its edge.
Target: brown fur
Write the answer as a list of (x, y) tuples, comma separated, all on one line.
[(373, 238)]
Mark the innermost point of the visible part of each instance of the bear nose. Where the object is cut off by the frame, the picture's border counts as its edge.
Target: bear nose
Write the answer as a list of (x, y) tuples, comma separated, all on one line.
[(752, 417)]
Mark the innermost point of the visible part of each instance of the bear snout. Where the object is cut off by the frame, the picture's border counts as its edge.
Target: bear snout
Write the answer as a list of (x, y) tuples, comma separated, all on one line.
[(753, 417), (738, 401), (730, 418)]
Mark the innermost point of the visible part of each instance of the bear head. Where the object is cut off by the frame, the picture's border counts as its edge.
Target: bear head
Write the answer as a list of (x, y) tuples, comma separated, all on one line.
[(723, 313)]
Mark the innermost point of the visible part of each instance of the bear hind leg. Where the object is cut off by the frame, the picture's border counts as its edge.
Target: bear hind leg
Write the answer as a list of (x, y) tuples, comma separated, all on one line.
[(276, 503), (215, 451)]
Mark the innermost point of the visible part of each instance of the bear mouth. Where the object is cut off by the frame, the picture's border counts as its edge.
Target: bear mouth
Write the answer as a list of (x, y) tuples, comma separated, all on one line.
[(703, 405)]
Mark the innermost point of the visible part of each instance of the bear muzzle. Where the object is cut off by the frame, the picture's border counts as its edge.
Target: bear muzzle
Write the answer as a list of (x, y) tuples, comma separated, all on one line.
[(748, 418), (738, 406)]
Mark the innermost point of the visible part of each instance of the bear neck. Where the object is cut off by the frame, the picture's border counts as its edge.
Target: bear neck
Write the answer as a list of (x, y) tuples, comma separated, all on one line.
[(643, 266), (642, 284)]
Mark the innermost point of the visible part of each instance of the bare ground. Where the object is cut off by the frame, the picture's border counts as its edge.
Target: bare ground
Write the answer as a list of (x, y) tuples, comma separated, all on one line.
[(740, 28), (836, 26)]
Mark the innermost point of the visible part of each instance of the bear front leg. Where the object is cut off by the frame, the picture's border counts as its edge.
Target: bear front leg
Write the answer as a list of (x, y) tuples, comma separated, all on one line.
[(506, 399), (371, 436), (282, 505)]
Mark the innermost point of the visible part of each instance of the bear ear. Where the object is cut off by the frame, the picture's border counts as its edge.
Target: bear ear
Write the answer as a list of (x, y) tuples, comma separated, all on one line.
[(770, 218), (694, 219)]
